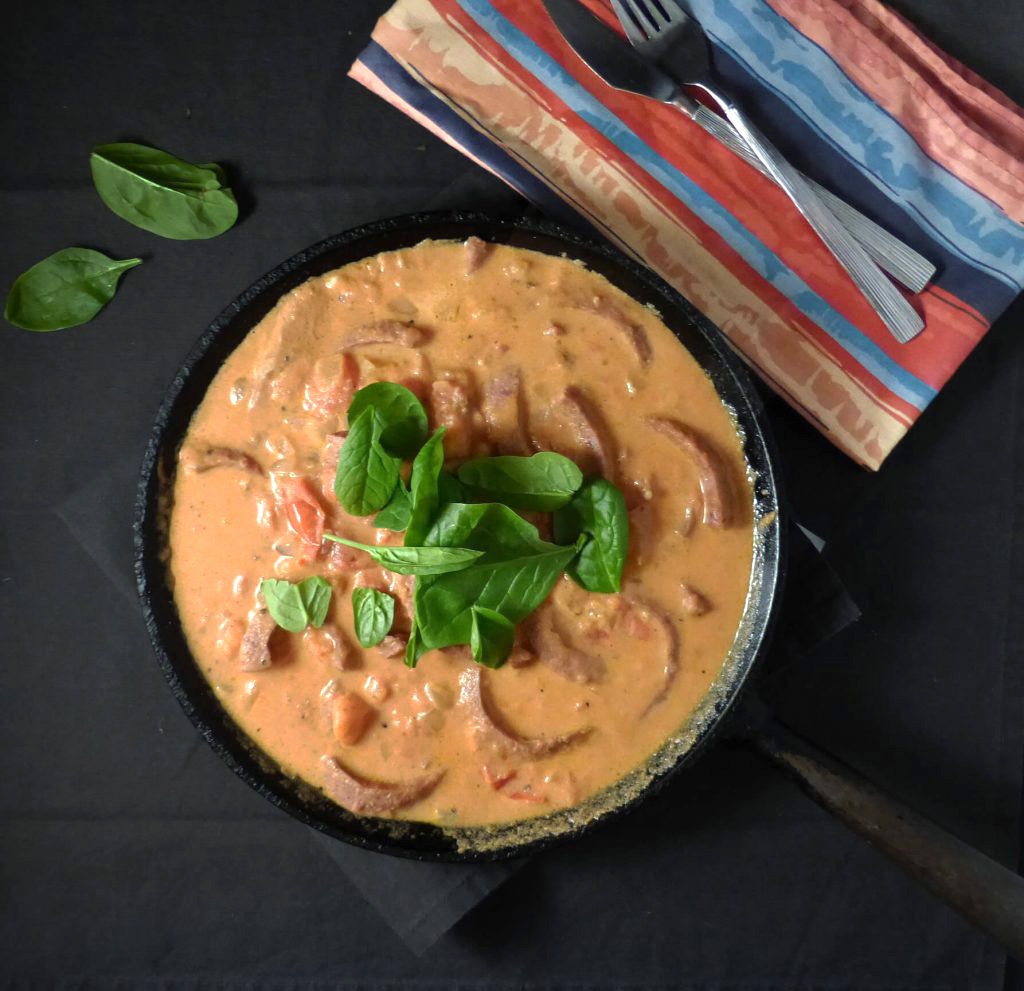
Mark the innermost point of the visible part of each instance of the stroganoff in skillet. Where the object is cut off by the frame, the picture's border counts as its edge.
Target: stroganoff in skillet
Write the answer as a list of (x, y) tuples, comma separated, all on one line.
[(565, 563)]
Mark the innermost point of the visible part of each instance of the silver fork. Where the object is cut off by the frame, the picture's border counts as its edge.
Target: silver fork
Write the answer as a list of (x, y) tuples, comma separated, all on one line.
[(677, 42)]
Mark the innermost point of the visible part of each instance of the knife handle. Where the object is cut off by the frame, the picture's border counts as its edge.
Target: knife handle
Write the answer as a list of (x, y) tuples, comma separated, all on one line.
[(896, 313), (987, 894), (900, 260)]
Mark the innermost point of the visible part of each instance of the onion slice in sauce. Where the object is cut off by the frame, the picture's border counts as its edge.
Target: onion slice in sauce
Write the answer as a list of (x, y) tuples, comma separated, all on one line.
[(374, 797), (386, 332), (331, 647), (711, 470), (488, 723), (393, 645)]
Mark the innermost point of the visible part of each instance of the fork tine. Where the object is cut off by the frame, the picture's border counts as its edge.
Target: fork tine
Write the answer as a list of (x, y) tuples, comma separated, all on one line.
[(654, 14), (674, 11), (635, 35), (643, 17)]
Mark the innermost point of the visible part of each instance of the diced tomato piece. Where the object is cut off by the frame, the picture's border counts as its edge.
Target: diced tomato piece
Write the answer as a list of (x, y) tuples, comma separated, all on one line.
[(525, 796), (303, 514), (496, 781), (306, 521)]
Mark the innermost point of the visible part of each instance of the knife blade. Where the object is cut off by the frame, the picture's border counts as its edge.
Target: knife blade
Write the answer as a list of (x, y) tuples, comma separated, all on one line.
[(608, 53)]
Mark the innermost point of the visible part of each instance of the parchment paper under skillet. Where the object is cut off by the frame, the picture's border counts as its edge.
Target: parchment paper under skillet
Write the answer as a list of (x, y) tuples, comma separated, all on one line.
[(986, 892)]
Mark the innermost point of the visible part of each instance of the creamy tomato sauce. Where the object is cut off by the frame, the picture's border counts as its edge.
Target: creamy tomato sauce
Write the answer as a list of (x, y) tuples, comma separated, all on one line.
[(514, 351)]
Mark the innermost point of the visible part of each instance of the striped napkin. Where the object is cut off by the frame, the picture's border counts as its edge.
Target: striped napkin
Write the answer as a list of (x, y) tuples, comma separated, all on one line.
[(850, 92)]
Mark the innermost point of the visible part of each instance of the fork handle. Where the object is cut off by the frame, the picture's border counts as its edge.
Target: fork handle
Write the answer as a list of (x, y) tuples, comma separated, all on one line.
[(896, 313), (891, 254)]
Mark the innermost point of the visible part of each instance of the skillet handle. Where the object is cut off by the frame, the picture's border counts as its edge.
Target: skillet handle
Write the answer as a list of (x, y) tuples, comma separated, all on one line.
[(986, 893)]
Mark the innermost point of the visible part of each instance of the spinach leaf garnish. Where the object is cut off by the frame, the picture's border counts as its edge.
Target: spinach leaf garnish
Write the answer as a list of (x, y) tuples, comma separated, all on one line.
[(597, 511), (423, 488), (66, 289), (450, 489), (481, 568), (395, 515), (513, 576), (544, 481), (414, 649), (373, 612), (296, 605), (415, 560), (491, 637), (405, 419), (367, 474), (163, 194)]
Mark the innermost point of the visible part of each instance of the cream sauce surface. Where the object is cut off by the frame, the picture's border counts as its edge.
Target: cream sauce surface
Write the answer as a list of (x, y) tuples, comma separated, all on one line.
[(513, 351)]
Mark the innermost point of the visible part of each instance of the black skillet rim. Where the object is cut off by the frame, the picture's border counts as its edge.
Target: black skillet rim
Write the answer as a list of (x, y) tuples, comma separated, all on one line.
[(423, 841)]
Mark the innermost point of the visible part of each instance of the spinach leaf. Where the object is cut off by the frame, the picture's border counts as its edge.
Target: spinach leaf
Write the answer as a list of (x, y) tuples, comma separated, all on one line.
[(491, 637), (163, 194), (297, 605), (514, 575), (315, 593), (423, 488), (66, 289), (544, 481), (367, 474), (395, 515), (450, 489), (415, 560), (405, 419), (414, 649), (598, 511), (373, 612)]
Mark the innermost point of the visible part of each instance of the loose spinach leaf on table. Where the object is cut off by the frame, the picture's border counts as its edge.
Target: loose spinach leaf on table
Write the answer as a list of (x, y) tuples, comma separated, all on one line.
[(597, 511), (373, 612), (395, 515), (414, 560), (544, 481), (491, 637), (367, 474), (66, 289), (296, 605), (163, 194), (423, 488), (405, 419), (513, 576)]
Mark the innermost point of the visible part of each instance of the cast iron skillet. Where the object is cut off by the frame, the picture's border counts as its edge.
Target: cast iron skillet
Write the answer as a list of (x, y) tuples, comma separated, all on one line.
[(988, 894), (424, 841)]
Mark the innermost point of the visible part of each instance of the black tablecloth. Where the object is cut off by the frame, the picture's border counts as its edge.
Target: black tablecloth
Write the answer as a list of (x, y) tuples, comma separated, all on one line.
[(131, 856)]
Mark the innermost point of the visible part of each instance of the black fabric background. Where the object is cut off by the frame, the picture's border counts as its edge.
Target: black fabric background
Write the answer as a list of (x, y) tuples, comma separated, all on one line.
[(130, 856)]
